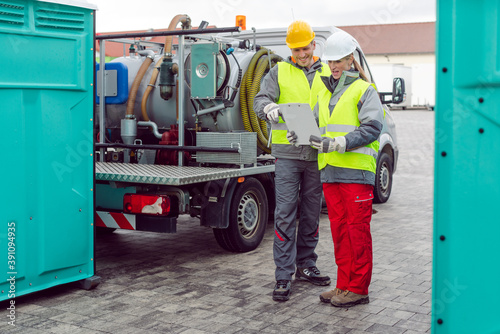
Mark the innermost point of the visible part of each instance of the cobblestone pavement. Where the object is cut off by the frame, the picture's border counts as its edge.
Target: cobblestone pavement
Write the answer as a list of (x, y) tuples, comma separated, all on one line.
[(185, 283)]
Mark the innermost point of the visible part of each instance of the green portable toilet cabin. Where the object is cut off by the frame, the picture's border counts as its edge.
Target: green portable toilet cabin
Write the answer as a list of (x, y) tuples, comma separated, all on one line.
[(46, 99), (466, 268)]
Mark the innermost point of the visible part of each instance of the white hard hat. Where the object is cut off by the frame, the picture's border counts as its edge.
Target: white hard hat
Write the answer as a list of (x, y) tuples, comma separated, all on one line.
[(339, 45)]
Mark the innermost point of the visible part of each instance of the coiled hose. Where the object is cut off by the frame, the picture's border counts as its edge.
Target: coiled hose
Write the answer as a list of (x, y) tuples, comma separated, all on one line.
[(261, 62)]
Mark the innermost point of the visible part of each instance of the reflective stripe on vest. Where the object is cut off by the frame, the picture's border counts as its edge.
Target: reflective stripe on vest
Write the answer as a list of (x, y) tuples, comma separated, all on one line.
[(294, 88), (342, 120)]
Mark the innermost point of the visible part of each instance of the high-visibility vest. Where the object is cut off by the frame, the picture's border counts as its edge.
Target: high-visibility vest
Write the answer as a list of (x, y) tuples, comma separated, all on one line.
[(344, 119), (294, 88)]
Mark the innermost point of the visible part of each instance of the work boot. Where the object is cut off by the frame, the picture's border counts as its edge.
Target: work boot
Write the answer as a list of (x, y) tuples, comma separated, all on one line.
[(312, 275), (326, 297), (282, 290), (348, 299)]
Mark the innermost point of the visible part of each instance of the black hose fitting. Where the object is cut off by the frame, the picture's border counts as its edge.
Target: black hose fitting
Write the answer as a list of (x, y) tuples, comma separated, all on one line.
[(167, 79)]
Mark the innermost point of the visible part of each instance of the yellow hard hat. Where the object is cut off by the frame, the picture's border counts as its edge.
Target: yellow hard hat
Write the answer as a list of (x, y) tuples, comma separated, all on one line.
[(299, 34)]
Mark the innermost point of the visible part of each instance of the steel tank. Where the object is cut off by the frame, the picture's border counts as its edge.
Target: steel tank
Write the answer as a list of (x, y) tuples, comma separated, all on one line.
[(165, 112)]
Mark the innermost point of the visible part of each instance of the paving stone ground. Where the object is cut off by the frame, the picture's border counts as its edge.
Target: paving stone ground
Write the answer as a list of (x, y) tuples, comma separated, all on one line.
[(185, 283)]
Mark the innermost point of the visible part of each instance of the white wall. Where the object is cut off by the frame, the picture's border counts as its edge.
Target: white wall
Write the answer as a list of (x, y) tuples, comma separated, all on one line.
[(403, 59)]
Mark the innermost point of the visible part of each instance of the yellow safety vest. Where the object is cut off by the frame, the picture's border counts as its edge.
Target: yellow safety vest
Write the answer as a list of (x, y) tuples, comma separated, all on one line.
[(294, 88), (344, 119)]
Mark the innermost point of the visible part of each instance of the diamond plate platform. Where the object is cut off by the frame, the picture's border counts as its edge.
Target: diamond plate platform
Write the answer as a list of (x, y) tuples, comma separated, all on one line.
[(170, 175)]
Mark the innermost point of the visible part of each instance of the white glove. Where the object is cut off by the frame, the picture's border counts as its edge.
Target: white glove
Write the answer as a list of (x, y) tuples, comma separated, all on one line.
[(273, 113), (322, 144), (339, 144), (292, 138), (327, 145)]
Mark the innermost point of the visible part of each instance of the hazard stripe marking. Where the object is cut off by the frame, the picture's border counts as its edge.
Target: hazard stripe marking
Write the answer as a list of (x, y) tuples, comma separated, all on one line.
[(115, 220), (122, 221), (98, 221)]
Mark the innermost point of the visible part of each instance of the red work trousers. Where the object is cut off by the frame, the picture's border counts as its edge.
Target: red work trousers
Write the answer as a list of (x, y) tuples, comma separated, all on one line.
[(350, 212)]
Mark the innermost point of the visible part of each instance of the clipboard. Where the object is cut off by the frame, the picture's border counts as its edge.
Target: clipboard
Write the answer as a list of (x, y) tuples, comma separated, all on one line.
[(300, 118)]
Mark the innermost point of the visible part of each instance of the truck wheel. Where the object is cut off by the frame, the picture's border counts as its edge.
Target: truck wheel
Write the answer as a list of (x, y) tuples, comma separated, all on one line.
[(383, 179), (247, 218)]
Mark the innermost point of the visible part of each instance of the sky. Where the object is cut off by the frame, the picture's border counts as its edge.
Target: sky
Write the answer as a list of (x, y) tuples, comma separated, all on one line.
[(123, 15)]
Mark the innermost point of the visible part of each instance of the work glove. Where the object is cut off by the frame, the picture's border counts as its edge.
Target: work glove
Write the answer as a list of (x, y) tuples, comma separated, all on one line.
[(292, 138), (327, 145), (272, 111)]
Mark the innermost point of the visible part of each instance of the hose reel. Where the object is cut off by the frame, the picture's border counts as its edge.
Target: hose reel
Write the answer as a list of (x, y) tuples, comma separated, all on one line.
[(261, 63)]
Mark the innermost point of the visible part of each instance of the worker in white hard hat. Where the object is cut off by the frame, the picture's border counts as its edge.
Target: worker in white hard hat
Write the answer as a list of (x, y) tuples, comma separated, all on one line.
[(350, 120), (296, 80)]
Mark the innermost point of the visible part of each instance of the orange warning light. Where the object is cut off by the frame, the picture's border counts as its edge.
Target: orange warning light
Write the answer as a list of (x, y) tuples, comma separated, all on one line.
[(241, 21)]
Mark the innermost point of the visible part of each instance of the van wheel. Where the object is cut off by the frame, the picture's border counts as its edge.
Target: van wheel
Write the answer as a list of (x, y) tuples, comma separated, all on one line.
[(247, 218), (383, 179)]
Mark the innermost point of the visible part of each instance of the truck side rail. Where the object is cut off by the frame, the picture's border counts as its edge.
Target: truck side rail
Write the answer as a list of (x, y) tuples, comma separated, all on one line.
[(170, 175)]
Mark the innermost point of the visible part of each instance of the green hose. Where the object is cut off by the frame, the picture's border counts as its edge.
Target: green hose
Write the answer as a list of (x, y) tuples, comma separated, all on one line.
[(259, 126), (250, 86), (246, 108)]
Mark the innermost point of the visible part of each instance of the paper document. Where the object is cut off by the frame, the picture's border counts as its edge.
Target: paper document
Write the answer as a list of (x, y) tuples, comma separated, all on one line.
[(300, 118)]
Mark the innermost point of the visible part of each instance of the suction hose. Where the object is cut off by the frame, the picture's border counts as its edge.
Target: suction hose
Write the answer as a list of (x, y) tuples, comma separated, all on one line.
[(186, 24), (135, 86), (259, 64)]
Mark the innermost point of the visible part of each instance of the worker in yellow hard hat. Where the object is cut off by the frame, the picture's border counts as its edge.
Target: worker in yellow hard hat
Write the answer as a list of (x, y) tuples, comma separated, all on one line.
[(295, 80), (300, 35)]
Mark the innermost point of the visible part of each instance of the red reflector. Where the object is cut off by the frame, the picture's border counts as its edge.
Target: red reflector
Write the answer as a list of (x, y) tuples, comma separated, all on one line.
[(146, 204)]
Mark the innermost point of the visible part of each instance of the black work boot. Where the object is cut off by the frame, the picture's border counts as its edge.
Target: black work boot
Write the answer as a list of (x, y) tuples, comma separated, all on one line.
[(312, 275), (282, 290)]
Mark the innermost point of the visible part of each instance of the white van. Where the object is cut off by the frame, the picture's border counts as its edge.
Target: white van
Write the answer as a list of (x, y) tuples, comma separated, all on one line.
[(274, 39)]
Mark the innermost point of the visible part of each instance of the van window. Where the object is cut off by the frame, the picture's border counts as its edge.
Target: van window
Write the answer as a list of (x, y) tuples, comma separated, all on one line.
[(360, 58)]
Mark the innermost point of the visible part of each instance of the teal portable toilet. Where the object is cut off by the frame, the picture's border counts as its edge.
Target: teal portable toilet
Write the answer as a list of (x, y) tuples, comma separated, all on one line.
[(46, 99), (466, 266)]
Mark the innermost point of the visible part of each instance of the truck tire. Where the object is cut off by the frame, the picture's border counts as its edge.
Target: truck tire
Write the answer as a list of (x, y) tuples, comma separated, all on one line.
[(247, 218), (383, 179)]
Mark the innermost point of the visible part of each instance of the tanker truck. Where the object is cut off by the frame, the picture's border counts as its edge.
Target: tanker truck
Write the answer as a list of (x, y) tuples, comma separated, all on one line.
[(176, 132)]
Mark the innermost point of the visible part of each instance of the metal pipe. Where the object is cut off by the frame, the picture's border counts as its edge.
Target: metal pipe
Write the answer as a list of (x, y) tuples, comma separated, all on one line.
[(102, 99), (254, 38), (128, 130), (180, 100), (153, 126), (169, 33), (211, 109), (171, 147)]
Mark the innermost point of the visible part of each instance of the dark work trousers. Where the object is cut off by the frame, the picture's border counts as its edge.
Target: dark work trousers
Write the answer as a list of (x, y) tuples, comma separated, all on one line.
[(295, 246)]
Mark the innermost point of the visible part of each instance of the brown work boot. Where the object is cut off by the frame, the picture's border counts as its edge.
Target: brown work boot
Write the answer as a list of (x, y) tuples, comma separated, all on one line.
[(348, 299), (326, 297)]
